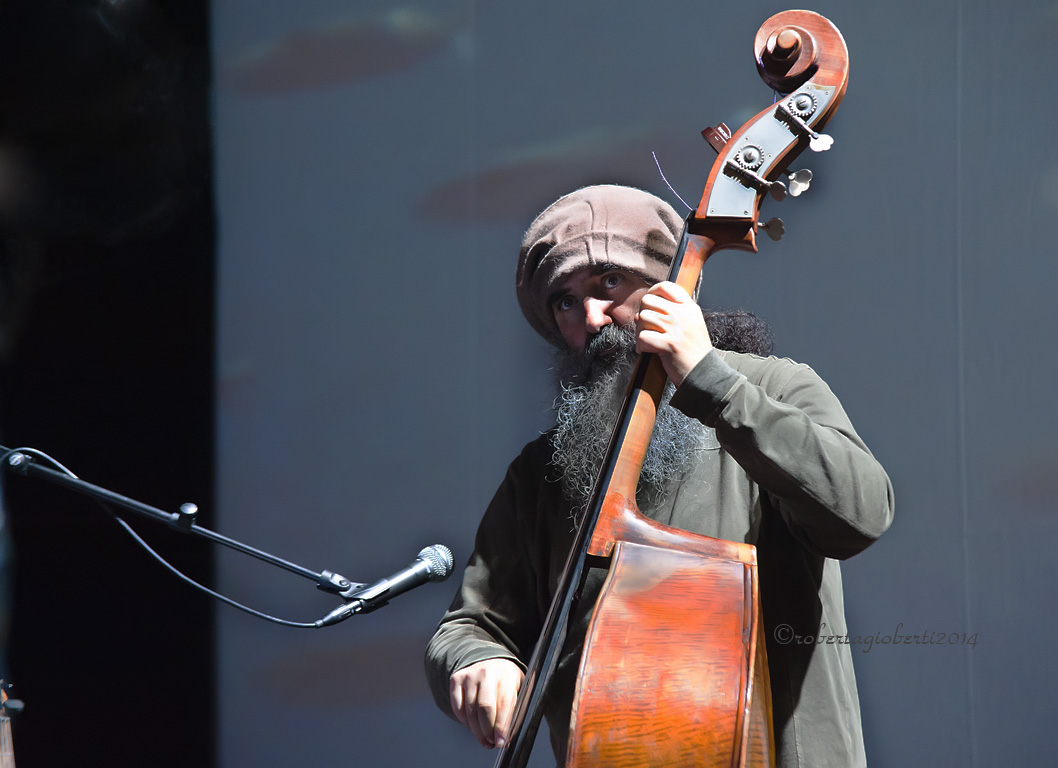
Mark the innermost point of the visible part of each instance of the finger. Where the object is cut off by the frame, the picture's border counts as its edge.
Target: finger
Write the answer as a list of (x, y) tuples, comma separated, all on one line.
[(670, 291), (471, 710), (654, 322), (653, 341), (505, 714), (486, 718), (655, 303), (457, 698), (651, 316)]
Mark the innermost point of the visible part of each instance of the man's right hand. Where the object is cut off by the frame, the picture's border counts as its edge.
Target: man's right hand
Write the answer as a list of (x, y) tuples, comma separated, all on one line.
[(483, 697)]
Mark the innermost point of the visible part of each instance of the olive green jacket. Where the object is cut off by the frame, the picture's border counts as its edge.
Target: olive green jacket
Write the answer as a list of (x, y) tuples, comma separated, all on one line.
[(785, 472)]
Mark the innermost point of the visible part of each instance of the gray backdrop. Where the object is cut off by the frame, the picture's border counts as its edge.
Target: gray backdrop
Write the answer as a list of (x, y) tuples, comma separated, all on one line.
[(376, 164)]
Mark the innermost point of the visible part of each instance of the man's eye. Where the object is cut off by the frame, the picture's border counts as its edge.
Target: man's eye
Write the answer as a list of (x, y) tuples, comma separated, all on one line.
[(611, 280), (564, 304)]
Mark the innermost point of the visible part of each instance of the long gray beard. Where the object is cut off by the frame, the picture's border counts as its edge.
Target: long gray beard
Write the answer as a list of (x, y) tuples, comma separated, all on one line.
[(591, 393)]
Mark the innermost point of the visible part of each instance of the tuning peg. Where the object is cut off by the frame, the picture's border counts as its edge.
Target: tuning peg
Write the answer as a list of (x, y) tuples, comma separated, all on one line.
[(793, 112), (773, 228), (775, 188), (799, 181), (820, 142)]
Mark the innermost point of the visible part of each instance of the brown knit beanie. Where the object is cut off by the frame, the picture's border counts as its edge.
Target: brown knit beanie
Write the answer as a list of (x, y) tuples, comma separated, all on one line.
[(605, 224)]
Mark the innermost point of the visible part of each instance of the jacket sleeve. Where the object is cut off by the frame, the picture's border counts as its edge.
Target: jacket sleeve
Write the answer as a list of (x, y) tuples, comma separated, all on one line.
[(796, 442), (494, 613)]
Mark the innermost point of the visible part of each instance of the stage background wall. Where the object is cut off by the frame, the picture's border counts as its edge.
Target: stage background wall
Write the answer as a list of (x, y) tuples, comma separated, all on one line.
[(373, 167), (375, 170)]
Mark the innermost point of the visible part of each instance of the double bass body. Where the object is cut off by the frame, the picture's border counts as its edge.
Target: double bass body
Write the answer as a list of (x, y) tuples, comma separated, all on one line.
[(674, 671)]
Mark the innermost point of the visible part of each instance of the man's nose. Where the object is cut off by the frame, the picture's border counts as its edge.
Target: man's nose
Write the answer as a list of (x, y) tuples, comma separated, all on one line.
[(596, 314)]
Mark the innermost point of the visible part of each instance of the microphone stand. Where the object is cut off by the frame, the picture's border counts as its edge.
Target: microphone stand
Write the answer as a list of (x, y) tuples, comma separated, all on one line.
[(182, 521)]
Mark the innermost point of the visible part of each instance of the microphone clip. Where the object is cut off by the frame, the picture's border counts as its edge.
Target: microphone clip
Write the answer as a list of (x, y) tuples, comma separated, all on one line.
[(336, 584)]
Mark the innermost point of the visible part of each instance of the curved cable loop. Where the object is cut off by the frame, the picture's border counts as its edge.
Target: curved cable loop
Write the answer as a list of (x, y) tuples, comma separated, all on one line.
[(157, 557)]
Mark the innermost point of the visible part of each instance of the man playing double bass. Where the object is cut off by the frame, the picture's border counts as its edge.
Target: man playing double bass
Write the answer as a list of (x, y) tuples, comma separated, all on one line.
[(749, 448)]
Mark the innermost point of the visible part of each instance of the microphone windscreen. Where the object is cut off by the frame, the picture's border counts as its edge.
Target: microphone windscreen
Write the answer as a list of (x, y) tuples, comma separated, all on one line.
[(439, 559)]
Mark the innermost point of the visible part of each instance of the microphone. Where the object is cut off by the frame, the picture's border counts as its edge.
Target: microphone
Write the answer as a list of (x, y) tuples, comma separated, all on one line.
[(432, 564)]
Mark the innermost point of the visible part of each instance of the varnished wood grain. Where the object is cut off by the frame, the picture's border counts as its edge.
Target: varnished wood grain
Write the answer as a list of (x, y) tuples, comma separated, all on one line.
[(666, 677)]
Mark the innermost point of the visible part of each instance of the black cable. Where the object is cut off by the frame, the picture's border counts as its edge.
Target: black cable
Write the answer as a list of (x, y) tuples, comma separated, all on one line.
[(157, 557), (188, 580)]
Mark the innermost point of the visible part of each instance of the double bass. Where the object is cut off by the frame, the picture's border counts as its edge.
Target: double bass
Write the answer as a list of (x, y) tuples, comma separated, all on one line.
[(7, 749), (674, 669)]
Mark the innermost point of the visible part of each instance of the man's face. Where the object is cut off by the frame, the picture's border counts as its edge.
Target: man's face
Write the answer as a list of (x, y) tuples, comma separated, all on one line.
[(589, 299)]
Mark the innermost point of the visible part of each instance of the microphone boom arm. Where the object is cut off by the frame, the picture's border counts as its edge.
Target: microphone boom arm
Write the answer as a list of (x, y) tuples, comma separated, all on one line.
[(22, 462)]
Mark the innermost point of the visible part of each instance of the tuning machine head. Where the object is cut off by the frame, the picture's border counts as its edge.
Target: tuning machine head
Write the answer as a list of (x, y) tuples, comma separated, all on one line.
[(799, 181), (773, 228)]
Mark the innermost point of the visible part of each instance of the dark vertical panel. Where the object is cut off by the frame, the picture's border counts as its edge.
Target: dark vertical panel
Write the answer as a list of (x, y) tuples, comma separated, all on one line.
[(107, 263)]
